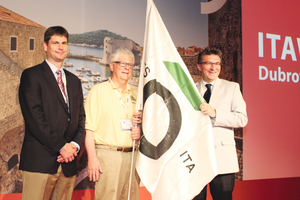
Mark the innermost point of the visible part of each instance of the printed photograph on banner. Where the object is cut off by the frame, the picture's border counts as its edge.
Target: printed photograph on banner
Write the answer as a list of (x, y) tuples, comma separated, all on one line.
[(94, 34)]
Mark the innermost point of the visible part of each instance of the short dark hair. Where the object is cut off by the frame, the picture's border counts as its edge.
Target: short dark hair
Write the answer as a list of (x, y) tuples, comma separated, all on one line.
[(55, 30), (209, 51)]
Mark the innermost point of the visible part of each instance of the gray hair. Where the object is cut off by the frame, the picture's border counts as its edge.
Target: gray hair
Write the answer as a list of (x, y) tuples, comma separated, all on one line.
[(121, 51)]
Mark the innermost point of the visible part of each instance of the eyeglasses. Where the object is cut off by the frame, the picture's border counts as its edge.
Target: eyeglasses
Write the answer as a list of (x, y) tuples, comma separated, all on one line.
[(210, 63), (124, 64)]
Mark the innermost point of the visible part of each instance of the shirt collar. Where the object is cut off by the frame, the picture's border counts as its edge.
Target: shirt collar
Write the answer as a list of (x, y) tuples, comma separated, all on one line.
[(203, 83), (54, 69), (128, 89)]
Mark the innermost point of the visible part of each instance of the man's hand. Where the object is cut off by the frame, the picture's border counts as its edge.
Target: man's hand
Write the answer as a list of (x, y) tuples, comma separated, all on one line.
[(94, 166), (67, 153), (206, 109), (93, 169), (135, 133), (137, 118)]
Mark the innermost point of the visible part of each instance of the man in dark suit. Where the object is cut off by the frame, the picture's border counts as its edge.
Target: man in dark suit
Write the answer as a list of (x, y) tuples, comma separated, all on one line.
[(227, 110), (51, 101)]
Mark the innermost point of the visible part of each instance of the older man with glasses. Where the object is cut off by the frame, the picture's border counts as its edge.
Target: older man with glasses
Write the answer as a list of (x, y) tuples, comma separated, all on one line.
[(110, 112)]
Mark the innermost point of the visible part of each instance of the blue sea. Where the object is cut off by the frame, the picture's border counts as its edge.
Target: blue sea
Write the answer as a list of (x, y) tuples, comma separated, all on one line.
[(94, 66)]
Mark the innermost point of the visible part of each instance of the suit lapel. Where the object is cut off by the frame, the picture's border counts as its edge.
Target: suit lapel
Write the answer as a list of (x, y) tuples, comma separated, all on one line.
[(54, 85), (69, 90)]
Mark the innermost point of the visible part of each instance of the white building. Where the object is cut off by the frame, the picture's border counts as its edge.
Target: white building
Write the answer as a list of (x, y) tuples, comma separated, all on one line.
[(111, 45)]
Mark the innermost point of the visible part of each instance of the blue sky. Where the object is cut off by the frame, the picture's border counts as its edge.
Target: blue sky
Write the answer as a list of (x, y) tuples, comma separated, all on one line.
[(183, 19)]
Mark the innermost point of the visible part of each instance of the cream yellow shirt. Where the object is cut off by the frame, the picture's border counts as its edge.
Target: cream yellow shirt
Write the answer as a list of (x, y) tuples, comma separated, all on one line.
[(104, 112)]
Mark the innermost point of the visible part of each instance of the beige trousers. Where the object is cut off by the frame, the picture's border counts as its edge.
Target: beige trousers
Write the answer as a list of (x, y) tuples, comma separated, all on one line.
[(114, 181), (40, 186)]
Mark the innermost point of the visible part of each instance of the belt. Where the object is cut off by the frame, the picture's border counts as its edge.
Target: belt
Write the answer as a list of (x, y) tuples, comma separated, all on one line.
[(114, 148), (123, 149)]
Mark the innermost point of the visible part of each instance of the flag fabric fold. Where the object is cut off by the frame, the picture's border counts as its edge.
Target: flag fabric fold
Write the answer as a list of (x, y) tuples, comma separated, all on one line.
[(176, 158)]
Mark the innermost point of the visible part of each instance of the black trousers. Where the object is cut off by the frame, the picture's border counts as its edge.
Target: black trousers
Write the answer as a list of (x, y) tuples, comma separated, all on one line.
[(221, 188)]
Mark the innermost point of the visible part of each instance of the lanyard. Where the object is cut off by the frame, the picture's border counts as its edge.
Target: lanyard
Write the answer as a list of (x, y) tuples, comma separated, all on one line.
[(121, 100)]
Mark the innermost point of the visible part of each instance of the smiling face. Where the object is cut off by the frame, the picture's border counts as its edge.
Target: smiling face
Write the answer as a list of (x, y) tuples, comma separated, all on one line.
[(121, 73), (56, 49), (210, 67)]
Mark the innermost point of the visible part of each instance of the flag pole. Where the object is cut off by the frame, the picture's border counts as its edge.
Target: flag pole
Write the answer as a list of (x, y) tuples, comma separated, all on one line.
[(130, 177), (139, 103), (132, 160)]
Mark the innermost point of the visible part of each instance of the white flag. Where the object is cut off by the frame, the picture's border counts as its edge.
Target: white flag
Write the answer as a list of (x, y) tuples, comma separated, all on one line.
[(177, 157)]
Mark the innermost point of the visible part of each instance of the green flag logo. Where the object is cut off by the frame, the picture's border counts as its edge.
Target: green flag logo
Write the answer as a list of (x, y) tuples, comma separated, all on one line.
[(184, 83)]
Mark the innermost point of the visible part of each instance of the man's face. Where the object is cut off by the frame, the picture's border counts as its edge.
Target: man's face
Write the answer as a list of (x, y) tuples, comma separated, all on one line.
[(56, 49), (210, 67), (122, 73)]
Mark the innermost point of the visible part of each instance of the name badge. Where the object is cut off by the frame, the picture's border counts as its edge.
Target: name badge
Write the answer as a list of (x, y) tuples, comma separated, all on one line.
[(126, 124)]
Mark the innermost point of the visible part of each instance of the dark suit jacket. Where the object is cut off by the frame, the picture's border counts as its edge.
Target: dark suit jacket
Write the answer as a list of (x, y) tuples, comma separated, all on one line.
[(48, 123)]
